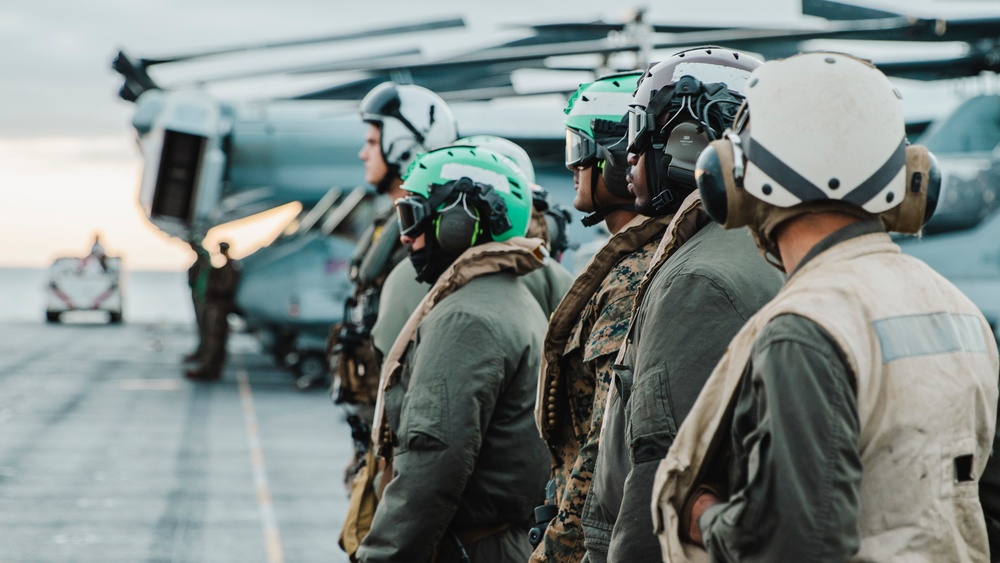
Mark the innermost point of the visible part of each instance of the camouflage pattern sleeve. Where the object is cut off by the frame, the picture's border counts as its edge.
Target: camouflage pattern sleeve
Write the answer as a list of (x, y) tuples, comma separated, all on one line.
[(587, 377), (563, 540)]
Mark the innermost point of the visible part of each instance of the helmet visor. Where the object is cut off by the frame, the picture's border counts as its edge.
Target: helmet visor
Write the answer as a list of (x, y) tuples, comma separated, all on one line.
[(413, 216), (581, 150), (638, 133)]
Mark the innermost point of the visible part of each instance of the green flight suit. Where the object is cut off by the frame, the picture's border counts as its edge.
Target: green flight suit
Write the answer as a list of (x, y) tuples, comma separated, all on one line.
[(692, 306), (467, 454)]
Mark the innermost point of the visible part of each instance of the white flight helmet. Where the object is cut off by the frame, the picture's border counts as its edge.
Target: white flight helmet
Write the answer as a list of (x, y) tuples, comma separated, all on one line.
[(413, 120), (506, 147), (825, 126)]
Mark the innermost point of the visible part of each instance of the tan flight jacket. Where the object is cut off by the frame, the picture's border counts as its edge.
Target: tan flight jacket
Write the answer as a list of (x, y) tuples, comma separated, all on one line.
[(925, 363)]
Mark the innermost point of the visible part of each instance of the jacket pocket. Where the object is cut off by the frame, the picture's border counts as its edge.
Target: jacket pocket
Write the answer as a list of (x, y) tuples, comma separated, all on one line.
[(424, 419), (650, 427)]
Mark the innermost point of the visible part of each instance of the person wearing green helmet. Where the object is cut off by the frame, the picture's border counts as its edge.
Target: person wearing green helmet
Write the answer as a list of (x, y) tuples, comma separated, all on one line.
[(404, 120), (587, 328), (460, 455), (401, 291), (701, 286)]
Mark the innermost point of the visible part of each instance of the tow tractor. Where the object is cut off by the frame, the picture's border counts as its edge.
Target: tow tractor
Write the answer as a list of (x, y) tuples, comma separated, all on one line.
[(92, 283)]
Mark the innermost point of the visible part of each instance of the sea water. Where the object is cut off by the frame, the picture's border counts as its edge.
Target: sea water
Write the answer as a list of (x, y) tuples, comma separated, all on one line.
[(148, 297)]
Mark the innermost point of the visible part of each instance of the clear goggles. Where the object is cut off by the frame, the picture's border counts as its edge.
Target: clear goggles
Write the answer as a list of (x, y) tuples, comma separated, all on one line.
[(581, 150), (638, 132), (413, 214)]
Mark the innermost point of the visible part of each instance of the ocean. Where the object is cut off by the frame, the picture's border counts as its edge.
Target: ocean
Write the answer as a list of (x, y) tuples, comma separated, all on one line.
[(148, 297)]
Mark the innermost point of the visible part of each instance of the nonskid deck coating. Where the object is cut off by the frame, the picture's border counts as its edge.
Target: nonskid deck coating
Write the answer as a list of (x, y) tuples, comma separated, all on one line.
[(108, 454)]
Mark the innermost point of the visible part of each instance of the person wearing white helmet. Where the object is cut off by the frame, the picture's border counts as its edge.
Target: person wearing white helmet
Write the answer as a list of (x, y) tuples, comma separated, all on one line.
[(851, 418), (700, 286), (588, 327), (404, 121)]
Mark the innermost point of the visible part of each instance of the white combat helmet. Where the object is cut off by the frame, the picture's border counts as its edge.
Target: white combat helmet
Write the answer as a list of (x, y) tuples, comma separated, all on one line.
[(413, 120), (506, 147), (825, 126)]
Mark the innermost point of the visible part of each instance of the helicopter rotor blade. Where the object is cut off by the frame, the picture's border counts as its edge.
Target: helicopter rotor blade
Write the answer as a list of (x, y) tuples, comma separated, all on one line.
[(413, 52), (970, 64), (746, 38), (137, 80), (354, 35), (830, 10)]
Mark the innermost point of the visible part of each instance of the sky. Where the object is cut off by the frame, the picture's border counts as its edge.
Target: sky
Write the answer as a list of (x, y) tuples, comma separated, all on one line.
[(69, 163)]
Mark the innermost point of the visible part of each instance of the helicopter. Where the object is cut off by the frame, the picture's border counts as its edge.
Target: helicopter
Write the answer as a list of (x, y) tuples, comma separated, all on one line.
[(962, 239), (209, 161)]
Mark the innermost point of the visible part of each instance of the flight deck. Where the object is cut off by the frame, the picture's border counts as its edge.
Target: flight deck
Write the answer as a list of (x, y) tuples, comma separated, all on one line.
[(107, 454)]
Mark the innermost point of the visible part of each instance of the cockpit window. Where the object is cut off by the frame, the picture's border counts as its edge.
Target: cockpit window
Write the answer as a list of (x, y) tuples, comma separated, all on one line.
[(973, 127)]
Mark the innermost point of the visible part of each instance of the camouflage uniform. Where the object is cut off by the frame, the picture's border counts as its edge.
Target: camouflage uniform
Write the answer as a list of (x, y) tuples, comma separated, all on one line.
[(198, 280), (222, 283), (579, 387)]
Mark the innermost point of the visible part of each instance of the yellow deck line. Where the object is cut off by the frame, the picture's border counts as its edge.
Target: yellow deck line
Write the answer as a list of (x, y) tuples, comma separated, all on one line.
[(268, 521)]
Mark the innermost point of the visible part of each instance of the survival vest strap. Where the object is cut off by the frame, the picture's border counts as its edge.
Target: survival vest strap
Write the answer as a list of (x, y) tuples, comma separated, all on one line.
[(689, 219), (519, 254), (636, 234)]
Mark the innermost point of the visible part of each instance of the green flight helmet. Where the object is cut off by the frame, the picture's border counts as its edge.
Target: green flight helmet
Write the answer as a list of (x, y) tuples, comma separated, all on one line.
[(506, 147), (464, 196), (594, 119)]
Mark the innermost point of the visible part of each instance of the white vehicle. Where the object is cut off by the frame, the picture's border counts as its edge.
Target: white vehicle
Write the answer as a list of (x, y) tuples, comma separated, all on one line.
[(92, 283)]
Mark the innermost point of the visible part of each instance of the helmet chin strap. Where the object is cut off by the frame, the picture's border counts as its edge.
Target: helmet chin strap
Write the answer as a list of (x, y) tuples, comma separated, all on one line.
[(664, 190), (385, 184)]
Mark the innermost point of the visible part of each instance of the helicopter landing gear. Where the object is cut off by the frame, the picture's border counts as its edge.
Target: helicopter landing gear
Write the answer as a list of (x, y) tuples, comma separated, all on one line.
[(313, 371)]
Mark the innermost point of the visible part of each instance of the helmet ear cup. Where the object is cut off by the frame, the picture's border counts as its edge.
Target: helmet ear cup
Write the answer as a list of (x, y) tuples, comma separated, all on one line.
[(685, 143), (455, 230), (730, 205), (923, 187), (711, 178), (722, 194)]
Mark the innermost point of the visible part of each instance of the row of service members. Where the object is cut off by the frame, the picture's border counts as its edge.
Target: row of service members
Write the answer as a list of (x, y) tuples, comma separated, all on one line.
[(695, 401)]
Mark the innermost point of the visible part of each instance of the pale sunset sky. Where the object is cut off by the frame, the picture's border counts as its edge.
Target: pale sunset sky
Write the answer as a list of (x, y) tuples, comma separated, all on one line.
[(69, 165)]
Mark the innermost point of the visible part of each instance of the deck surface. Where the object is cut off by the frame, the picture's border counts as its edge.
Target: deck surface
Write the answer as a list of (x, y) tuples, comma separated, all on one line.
[(107, 454)]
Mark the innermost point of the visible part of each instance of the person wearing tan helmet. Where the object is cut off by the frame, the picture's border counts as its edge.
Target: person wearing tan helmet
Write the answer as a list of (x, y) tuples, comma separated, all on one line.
[(851, 418)]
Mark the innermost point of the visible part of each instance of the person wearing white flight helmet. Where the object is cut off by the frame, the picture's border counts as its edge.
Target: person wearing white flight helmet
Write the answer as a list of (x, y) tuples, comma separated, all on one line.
[(851, 418), (404, 121), (700, 286)]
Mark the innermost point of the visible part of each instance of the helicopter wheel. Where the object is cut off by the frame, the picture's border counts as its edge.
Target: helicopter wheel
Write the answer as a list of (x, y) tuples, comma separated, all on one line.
[(313, 371)]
